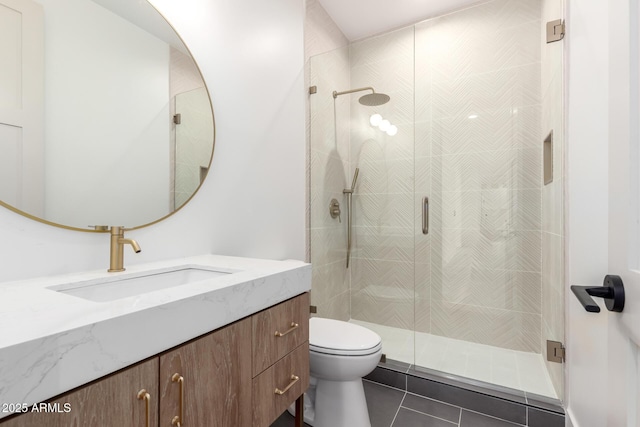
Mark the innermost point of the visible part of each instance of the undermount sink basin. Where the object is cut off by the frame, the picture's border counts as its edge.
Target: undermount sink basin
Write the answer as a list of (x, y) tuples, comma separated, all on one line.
[(127, 285)]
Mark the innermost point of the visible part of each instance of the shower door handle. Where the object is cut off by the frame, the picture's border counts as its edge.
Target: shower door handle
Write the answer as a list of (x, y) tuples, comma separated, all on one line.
[(425, 215)]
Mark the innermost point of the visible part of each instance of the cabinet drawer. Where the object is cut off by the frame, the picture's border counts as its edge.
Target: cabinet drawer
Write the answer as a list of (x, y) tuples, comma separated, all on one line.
[(269, 396), (274, 332)]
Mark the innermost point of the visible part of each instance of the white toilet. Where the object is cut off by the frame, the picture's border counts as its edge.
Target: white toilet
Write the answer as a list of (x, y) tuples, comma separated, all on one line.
[(341, 353)]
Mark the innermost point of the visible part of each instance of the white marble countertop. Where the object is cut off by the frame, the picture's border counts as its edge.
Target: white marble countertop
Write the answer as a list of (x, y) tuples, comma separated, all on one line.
[(51, 342)]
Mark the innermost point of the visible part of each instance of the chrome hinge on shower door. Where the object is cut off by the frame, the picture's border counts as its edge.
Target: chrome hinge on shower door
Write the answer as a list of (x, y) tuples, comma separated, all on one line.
[(555, 351), (555, 30)]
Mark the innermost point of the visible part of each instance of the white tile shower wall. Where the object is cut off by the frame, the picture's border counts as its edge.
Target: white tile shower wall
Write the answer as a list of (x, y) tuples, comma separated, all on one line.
[(470, 141), (382, 282), (321, 34), (553, 236)]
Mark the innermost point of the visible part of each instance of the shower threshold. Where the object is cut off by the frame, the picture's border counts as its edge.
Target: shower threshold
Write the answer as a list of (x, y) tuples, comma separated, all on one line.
[(506, 368)]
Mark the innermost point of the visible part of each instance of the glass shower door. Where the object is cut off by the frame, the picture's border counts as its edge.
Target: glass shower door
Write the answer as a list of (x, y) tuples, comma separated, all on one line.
[(382, 278), (485, 303), (377, 290), (329, 175)]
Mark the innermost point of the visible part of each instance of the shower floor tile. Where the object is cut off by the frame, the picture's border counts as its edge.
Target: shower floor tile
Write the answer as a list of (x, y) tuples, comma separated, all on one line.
[(509, 368)]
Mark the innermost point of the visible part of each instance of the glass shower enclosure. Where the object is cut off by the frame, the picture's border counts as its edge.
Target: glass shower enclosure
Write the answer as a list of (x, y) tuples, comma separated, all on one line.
[(457, 242)]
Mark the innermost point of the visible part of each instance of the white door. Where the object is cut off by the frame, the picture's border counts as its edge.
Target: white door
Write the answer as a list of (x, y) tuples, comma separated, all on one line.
[(604, 218), (21, 105), (624, 213)]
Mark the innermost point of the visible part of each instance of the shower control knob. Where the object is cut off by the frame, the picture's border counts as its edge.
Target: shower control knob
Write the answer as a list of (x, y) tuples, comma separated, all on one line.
[(334, 209)]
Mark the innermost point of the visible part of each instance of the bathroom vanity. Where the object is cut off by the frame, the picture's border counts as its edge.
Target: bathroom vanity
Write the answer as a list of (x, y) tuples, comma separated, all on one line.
[(200, 341), (230, 350)]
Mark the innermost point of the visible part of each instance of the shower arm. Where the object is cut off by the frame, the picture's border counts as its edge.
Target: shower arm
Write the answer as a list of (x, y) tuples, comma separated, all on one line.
[(337, 94), (349, 193)]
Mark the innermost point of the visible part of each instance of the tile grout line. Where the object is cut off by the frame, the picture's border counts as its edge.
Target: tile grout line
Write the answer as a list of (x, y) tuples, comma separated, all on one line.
[(450, 404), (406, 392), (428, 415), (433, 400), (460, 417), (398, 410), (443, 383), (385, 385)]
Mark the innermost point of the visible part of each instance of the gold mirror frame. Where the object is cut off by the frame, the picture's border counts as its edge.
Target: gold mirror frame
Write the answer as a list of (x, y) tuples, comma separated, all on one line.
[(104, 228)]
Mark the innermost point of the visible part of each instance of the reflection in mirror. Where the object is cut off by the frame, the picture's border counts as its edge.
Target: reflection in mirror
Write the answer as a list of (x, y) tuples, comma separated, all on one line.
[(104, 116)]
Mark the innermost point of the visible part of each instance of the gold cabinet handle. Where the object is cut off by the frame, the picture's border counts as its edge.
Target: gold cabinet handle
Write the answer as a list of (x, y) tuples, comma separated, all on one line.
[(294, 379), (293, 327), (144, 395), (179, 419)]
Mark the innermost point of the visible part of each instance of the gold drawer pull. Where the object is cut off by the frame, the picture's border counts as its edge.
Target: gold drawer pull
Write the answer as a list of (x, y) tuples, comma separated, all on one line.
[(143, 395), (294, 379), (179, 419), (291, 329)]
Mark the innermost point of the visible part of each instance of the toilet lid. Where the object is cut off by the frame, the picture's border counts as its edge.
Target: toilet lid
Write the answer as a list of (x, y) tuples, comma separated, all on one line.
[(341, 338)]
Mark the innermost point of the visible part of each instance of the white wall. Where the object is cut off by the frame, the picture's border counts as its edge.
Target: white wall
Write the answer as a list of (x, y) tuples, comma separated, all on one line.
[(252, 203)]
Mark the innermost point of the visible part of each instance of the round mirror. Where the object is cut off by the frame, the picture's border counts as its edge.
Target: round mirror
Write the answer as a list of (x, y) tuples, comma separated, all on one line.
[(104, 116)]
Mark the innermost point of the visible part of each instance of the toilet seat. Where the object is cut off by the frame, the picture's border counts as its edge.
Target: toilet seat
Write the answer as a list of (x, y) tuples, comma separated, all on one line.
[(340, 338)]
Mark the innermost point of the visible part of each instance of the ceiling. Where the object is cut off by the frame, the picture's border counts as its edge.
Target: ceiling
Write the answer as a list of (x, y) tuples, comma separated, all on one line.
[(363, 18)]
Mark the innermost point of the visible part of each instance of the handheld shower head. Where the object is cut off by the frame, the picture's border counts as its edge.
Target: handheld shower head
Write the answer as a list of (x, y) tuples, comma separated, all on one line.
[(355, 179), (372, 99)]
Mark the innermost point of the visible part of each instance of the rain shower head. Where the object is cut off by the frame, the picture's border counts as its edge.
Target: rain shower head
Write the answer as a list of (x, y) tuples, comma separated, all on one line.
[(374, 99), (370, 100)]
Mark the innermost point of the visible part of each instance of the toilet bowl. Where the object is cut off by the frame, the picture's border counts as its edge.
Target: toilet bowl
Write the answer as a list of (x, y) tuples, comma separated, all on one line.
[(340, 354)]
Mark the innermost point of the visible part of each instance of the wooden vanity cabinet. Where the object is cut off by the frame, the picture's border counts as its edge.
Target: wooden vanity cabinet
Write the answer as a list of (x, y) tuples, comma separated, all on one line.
[(280, 359), (112, 401), (227, 378), (216, 379)]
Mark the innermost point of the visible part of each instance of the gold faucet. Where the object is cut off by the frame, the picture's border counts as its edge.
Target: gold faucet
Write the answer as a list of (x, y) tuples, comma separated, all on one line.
[(117, 249)]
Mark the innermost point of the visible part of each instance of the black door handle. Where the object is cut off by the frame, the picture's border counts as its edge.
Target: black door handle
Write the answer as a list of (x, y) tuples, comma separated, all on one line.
[(612, 290)]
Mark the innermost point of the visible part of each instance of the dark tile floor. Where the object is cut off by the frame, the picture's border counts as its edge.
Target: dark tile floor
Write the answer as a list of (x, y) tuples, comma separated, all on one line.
[(390, 407)]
